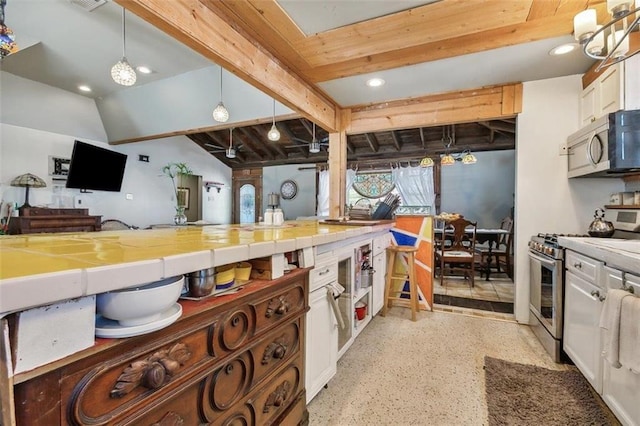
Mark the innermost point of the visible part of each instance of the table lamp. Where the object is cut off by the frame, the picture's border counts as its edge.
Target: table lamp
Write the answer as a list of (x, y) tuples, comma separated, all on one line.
[(28, 180)]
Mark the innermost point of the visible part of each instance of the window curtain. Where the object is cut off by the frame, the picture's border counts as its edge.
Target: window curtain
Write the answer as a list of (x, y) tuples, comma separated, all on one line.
[(323, 190), (323, 193), (350, 178), (415, 185)]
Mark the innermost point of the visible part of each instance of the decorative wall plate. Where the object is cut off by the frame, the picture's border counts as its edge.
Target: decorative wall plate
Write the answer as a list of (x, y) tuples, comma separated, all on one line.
[(288, 189)]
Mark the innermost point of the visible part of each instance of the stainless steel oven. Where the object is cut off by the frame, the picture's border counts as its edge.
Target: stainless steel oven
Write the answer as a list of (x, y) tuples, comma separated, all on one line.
[(546, 281)]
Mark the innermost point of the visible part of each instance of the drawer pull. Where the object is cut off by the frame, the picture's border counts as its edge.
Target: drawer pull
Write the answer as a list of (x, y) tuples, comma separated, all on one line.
[(596, 293), (280, 306), (235, 321), (577, 265), (275, 350), (151, 372), (326, 271), (228, 369), (278, 397)]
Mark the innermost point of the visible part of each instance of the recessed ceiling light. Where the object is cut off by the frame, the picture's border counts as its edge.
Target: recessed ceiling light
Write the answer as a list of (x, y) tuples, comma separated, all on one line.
[(84, 88), (144, 70), (563, 49), (375, 82)]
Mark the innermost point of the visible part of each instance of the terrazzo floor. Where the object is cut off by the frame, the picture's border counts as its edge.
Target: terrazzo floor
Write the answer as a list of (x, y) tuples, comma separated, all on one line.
[(428, 372)]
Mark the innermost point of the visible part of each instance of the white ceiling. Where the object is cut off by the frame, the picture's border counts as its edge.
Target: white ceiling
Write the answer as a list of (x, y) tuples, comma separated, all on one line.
[(79, 47)]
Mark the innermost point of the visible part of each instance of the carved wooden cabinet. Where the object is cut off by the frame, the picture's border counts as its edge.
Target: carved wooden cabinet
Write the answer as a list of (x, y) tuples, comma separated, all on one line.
[(34, 220), (230, 360)]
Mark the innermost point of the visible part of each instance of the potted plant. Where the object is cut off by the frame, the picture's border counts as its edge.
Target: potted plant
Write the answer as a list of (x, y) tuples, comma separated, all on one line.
[(177, 172)]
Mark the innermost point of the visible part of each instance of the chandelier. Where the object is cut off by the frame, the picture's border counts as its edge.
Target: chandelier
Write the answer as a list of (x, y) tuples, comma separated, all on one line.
[(123, 73), (220, 113), (610, 42), (448, 159), (274, 133), (7, 39)]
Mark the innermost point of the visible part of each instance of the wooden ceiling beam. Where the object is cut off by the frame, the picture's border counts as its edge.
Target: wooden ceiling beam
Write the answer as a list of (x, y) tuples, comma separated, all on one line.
[(396, 141), (201, 25), (287, 131), (448, 108), (252, 145), (422, 136), (372, 141)]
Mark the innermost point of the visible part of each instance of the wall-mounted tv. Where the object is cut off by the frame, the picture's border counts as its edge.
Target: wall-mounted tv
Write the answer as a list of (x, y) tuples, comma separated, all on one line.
[(95, 168)]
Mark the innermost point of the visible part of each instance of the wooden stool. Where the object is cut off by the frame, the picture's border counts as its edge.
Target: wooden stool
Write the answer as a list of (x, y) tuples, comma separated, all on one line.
[(394, 257)]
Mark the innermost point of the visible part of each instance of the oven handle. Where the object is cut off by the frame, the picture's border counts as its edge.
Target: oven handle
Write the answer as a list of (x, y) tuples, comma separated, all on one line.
[(544, 260)]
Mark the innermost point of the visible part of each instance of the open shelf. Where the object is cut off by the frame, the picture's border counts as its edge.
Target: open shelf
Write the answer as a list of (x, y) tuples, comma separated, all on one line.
[(623, 206)]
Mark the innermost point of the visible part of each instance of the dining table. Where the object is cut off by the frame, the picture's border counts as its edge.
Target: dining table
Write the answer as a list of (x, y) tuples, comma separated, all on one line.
[(491, 236)]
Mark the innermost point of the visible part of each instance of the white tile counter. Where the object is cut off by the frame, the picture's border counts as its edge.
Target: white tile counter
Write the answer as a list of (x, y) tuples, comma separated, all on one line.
[(616, 253)]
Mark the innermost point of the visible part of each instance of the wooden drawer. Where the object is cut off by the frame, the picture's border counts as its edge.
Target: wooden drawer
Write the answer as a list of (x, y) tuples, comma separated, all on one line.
[(278, 308), (583, 266)]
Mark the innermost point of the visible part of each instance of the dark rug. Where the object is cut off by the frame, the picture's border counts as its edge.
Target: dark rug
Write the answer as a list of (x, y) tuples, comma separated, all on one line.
[(519, 394)]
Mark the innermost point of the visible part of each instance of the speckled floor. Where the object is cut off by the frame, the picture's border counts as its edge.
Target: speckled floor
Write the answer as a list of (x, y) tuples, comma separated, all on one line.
[(428, 372)]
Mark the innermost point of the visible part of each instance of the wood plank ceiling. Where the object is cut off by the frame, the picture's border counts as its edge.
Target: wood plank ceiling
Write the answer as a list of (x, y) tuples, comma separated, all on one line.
[(431, 32)]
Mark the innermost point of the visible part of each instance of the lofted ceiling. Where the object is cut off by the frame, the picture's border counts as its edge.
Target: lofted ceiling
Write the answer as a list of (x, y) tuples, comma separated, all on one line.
[(418, 47)]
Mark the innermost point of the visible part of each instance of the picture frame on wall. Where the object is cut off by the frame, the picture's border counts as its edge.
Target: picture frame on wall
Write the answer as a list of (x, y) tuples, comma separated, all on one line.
[(183, 195)]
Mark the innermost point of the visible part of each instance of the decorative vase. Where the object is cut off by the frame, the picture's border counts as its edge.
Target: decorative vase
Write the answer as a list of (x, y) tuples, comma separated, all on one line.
[(180, 218)]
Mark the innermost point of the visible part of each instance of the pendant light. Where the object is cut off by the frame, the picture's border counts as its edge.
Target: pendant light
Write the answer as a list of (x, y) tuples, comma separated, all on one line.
[(231, 151), (274, 133), (314, 145), (123, 73), (220, 113)]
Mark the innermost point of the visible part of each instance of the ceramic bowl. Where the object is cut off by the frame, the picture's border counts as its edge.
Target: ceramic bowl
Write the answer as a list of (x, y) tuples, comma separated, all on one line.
[(243, 271), (225, 276), (140, 305)]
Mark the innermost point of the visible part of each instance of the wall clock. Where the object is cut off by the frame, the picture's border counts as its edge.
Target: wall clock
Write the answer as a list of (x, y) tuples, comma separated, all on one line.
[(288, 189)]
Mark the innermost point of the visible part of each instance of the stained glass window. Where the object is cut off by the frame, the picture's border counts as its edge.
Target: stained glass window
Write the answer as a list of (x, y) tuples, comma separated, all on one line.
[(373, 185)]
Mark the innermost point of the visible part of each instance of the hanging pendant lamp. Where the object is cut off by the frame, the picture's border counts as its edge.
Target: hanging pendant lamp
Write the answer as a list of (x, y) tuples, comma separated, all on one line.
[(274, 133), (220, 113), (123, 73)]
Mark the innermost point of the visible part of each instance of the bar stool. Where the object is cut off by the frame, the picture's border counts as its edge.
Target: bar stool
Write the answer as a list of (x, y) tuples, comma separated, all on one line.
[(394, 257)]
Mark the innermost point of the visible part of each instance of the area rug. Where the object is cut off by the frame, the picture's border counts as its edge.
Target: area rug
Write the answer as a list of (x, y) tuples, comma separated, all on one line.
[(519, 394)]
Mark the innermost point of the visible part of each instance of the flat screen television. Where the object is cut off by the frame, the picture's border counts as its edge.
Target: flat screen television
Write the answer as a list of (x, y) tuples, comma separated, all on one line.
[(95, 168)]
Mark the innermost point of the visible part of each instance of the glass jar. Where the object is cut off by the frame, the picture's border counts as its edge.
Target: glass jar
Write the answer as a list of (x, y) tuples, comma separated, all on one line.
[(180, 218)]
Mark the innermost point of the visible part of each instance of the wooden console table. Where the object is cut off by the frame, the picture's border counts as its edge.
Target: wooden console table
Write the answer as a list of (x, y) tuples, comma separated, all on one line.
[(37, 219)]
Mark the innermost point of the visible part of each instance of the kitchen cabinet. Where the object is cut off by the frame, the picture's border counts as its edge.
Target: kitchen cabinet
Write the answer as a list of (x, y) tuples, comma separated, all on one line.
[(34, 220), (379, 264), (583, 305), (611, 91), (620, 386), (321, 342)]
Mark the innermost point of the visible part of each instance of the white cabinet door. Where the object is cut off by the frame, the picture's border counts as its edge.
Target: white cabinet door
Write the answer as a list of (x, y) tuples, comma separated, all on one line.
[(620, 392), (611, 96), (588, 102), (321, 343), (380, 266), (581, 340)]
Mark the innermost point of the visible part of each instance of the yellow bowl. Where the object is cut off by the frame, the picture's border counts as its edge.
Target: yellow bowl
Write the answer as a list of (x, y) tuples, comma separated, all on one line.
[(243, 271), (225, 276)]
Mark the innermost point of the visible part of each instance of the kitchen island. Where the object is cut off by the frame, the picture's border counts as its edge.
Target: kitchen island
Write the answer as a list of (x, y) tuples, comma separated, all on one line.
[(237, 338)]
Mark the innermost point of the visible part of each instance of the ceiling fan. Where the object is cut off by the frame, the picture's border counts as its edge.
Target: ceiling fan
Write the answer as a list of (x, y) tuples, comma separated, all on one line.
[(314, 144), (230, 151)]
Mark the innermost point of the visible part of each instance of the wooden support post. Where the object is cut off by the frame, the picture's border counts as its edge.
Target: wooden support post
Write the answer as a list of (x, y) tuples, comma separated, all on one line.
[(338, 168)]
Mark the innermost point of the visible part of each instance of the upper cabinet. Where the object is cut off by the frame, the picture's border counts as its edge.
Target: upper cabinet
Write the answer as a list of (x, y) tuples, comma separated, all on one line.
[(614, 89)]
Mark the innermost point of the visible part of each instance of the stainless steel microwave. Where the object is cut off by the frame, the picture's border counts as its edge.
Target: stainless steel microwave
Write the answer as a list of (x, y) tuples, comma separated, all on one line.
[(608, 147)]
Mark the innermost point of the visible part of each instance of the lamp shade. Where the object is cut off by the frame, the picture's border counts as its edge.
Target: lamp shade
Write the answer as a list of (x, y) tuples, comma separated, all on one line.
[(28, 180)]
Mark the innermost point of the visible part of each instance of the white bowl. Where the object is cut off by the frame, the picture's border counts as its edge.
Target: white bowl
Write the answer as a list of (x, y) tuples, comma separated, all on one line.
[(140, 305)]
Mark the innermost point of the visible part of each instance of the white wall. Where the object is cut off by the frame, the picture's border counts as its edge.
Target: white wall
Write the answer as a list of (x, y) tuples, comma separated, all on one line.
[(481, 192), (304, 203), (546, 200), (26, 142)]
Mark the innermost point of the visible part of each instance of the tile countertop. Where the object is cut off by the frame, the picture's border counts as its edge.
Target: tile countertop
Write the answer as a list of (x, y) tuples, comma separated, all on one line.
[(39, 269), (616, 253)]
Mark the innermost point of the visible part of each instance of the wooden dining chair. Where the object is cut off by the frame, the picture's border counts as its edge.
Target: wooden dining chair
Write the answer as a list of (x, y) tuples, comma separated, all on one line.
[(501, 252), (457, 248)]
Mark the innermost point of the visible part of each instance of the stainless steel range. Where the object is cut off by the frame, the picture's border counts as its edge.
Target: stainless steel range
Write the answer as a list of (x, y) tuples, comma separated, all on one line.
[(546, 280)]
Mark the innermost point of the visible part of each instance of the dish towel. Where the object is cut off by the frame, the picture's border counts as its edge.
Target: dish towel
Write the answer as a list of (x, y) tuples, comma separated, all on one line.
[(630, 333), (610, 325)]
